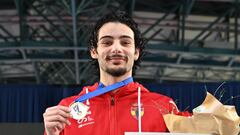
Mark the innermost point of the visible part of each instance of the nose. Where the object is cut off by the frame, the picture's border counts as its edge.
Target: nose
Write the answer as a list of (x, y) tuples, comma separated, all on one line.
[(116, 47)]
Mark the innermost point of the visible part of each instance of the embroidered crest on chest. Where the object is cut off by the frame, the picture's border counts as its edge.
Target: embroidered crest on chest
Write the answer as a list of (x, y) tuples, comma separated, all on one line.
[(134, 110)]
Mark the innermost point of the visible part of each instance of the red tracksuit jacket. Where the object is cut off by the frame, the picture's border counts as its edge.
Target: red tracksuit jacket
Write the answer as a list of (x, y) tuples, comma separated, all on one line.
[(116, 113)]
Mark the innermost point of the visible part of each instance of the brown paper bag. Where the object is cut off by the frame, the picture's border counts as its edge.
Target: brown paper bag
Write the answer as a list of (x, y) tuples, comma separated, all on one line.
[(210, 117)]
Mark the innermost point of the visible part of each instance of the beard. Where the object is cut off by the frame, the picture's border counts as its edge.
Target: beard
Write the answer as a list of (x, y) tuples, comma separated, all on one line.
[(116, 72)]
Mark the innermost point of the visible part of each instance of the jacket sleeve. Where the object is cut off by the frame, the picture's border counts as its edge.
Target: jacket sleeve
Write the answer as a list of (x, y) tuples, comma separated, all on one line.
[(173, 109)]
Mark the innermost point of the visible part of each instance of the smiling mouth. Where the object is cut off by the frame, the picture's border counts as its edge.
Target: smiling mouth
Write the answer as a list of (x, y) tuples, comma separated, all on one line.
[(116, 58)]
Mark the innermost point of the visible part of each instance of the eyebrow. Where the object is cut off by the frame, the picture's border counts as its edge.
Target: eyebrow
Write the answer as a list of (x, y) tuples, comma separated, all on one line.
[(107, 36)]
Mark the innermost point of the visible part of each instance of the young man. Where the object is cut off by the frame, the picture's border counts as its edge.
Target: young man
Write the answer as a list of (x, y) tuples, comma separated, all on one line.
[(116, 104)]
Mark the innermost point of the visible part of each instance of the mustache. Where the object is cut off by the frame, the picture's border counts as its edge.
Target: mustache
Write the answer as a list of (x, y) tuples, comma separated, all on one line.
[(109, 57)]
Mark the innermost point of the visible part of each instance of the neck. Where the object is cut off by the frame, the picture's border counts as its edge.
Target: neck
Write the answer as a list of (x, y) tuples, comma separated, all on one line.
[(108, 79)]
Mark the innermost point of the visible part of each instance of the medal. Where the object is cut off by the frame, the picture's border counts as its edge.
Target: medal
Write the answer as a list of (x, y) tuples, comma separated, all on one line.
[(78, 110)]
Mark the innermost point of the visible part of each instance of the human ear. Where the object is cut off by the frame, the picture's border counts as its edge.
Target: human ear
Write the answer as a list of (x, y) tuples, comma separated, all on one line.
[(136, 54), (93, 53)]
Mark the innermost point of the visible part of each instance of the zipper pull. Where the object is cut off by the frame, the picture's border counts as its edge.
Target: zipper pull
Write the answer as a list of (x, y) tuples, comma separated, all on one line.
[(112, 100)]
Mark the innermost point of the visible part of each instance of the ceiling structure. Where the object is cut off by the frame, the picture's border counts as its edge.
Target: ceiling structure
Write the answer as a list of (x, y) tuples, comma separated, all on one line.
[(45, 41)]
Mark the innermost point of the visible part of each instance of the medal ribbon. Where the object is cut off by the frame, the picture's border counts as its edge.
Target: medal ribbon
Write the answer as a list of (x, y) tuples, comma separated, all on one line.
[(103, 90)]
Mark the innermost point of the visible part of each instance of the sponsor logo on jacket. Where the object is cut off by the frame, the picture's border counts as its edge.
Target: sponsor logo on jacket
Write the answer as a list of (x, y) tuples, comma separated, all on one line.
[(87, 120)]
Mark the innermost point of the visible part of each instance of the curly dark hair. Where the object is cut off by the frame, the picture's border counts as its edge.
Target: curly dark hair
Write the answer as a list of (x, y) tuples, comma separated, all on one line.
[(123, 18)]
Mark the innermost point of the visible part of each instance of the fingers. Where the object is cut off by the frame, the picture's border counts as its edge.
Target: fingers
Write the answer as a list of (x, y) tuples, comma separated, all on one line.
[(58, 110), (56, 117), (55, 126)]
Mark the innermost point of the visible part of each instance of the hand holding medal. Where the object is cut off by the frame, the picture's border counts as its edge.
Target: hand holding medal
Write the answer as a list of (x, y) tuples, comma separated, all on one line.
[(55, 119)]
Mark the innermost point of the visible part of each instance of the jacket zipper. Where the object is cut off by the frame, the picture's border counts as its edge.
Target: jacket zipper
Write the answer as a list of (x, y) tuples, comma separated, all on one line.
[(112, 116), (112, 100)]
